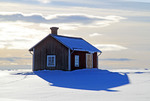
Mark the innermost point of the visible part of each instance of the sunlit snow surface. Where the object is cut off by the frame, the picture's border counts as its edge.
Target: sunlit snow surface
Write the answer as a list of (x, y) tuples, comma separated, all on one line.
[(78, 85)]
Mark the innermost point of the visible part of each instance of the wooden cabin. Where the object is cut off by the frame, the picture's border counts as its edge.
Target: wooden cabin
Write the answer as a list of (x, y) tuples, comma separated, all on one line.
[(56, 52)]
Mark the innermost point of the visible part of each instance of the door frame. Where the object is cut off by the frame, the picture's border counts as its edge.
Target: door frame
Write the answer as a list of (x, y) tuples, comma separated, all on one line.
[(86, 59)]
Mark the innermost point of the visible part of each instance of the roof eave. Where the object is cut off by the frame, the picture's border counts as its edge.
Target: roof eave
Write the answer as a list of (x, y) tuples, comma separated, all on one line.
[(31, 49)]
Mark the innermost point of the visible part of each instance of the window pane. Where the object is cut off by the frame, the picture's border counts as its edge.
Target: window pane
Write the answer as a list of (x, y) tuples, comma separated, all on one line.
[(76, 60), (51, 60)]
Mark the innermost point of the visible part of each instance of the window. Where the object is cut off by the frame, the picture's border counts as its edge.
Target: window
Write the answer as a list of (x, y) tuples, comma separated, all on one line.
[(76, 60), (51, 60)]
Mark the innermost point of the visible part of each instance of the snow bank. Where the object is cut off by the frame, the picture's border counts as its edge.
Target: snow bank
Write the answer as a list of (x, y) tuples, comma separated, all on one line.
[(79, 85)]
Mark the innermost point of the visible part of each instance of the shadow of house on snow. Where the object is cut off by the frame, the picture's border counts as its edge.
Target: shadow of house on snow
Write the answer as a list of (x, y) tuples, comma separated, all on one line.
[(85, 79)]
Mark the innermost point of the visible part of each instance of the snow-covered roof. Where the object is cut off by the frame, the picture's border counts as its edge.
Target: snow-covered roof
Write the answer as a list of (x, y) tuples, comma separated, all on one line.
[(77, 44), (73, 43)]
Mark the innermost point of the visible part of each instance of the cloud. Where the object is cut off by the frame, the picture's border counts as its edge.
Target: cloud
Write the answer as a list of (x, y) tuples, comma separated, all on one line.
[(44, 1), (145, 1), (116, 59), (75, 20), (138, 5), (64, 26), (95, 34), (19, 35), (139, 18), (22, 17), (12, 59), (106, 4), (110, 47), (21, 31)]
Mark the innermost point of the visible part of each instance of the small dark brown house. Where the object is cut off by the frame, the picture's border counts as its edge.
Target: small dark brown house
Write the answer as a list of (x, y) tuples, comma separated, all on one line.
[(57, 52)]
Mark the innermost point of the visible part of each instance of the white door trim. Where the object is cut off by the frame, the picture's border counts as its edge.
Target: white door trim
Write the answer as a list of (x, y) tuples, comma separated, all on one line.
[(69, 60), (33, 61)]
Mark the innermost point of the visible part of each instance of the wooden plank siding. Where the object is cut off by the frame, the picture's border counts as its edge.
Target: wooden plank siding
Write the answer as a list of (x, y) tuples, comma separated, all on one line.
[(50, 46), (82, 60)]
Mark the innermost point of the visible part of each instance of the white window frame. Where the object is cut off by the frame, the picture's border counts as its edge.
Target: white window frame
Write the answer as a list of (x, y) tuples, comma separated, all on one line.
[(54, 61), (76, 61)]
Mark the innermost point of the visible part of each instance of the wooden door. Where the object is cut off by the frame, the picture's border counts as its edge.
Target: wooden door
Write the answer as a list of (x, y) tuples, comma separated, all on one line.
[(89, 60)]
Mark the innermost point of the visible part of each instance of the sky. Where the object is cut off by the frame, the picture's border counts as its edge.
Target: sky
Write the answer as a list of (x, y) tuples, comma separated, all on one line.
[(119, 28)]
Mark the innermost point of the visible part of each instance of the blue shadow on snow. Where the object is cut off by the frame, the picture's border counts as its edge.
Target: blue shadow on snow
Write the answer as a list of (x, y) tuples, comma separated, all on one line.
[(85, 79)]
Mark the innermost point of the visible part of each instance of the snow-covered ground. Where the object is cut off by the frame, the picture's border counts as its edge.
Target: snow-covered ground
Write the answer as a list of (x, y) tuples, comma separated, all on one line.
[(78, 85)]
